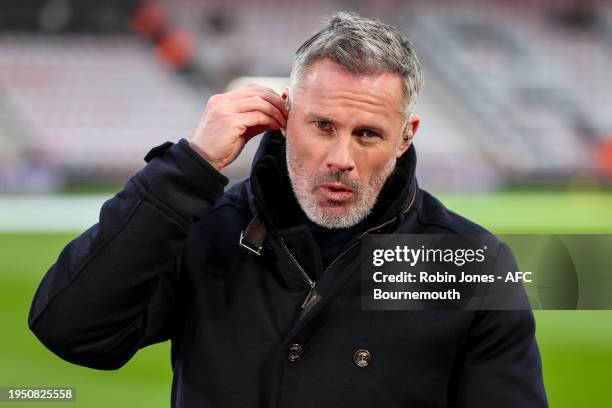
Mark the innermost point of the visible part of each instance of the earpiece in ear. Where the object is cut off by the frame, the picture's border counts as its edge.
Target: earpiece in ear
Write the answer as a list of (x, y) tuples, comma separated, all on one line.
[(288, 100), (288, 108), (408, 134)]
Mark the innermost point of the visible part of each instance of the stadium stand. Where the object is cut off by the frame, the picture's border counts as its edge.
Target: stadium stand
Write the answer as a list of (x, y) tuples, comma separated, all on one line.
[(515, 92), (92, 105)]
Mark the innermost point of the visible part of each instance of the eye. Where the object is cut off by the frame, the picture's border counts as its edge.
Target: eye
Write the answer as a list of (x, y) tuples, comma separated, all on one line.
[(367, 134), (323, 125)]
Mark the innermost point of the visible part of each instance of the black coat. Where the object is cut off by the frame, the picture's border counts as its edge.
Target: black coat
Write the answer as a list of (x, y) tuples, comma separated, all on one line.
[(164, 262)]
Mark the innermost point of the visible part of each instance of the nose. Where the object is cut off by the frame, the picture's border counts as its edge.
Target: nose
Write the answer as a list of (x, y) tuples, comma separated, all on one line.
[(339, 157)]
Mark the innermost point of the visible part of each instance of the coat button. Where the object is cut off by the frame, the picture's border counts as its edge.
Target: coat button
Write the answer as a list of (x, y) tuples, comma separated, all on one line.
[(295, 352), (362, 358)]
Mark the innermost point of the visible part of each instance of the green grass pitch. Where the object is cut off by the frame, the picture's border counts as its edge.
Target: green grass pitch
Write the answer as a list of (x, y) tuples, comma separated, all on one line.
[(576, 346)]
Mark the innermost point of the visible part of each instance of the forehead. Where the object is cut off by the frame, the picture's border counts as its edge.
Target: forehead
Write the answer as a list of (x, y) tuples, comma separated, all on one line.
[(326, 86)]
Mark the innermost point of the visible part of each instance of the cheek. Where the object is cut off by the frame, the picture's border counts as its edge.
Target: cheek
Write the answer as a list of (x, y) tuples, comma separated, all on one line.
[(367, 162), (309, 153), (374, 165)]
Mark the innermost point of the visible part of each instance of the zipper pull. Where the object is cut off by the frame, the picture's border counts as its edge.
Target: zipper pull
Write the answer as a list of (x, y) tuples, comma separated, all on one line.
[(312, 299)]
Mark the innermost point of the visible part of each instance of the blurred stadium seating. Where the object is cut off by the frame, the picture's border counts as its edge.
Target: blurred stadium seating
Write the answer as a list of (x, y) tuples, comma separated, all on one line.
[(515, 92)]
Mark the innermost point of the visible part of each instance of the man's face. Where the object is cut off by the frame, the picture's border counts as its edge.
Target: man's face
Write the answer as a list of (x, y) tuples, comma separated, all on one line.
[(344, 134)]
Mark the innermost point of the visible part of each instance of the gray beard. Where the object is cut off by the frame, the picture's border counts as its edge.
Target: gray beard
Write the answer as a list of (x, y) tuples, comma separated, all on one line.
[(303, 188)]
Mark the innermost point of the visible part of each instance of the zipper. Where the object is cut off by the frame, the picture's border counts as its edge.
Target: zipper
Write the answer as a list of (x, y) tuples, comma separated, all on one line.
[(313, 296), (311, 283), (370, 230)]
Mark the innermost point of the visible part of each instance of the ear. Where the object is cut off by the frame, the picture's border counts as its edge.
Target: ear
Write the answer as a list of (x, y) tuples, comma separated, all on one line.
[(285, 97), (408, 134)]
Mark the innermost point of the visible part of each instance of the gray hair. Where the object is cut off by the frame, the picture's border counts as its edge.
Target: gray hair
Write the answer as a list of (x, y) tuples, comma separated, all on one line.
[(362, 46)]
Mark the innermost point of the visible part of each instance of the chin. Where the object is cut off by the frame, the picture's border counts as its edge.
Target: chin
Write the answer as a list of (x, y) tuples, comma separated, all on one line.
[(334, 216), (336, 208)]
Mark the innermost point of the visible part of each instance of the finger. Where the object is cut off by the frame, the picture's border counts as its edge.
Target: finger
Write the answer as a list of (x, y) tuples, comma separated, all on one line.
[(258, 118), (256, 102), (267, 93), (279, 102), (251, 131), (271, 96)]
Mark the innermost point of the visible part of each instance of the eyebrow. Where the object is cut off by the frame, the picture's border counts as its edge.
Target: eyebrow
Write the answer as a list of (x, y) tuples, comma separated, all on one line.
[(318, 117), (323, 118)]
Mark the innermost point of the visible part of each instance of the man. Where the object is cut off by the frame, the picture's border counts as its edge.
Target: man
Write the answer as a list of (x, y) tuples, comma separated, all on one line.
[(258, 288)]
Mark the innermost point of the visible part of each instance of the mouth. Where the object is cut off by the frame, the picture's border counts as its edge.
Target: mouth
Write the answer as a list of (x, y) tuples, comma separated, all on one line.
[(337, 191)]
